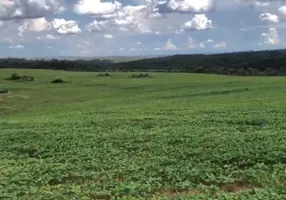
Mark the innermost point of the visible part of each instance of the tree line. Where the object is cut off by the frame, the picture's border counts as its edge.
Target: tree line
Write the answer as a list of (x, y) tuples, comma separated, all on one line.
[(251, 63)]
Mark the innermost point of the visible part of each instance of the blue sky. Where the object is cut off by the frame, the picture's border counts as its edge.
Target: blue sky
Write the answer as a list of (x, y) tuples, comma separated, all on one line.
[(44, 28)]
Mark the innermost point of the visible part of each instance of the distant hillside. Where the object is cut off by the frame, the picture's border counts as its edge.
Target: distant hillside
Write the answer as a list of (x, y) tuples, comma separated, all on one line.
[(252, 63), (241, 63), (114, 59)]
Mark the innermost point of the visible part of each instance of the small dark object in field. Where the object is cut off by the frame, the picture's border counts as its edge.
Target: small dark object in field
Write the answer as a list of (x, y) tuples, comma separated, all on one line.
[(104, 74), (27, 78), (140, 75), (246, 89), (33, 153), (4, 91), (16, 77), (57, 81)]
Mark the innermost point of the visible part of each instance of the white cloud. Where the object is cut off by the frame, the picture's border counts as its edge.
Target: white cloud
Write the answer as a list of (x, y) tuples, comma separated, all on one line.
[(50, 37), (34, 25), (186, 6), (199, 22), (48, 47), (24, 9), (220, 45), (192, 44), (271, 37), (268, 17), (168, 46), (282, 11), (261, 4), (108, 36), (18, 46), (96, 26), (96, 7), (209, 41), (66, 27)]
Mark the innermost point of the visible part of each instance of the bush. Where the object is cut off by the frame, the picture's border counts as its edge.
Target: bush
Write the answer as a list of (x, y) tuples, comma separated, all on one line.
[(16, 77), (27, 78), (141, 75), (4, 91), (58, 81), (104, 74)]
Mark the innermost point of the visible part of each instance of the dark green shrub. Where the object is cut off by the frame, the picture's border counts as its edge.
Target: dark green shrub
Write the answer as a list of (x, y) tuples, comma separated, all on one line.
[(4, 91), (58, 81), (27, 78), (140, 75), (16, 77), (104, 74)]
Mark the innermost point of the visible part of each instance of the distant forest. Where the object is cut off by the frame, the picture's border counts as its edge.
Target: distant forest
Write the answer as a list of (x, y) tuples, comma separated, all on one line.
[(252, 63)]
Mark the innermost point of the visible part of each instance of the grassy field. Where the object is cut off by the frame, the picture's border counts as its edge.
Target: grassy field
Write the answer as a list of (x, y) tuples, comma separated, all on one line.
[(173, 136)]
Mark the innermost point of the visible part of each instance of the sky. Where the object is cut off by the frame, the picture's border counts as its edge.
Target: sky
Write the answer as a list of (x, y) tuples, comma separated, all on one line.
[(90, 28)]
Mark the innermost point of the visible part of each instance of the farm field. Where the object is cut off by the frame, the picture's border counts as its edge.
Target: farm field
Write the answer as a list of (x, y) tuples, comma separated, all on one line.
[(171, 136)]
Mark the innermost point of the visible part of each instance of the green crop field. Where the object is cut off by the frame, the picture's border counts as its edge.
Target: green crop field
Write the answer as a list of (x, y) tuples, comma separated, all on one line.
[(171, 136)]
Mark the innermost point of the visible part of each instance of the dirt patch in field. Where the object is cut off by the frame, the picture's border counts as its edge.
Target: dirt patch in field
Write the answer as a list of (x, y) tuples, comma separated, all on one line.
[(118, 179), (236, 187), (9, 95)]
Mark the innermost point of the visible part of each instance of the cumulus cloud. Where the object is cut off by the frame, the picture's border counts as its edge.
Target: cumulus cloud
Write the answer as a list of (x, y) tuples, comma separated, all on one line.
[(271, 37), (96, 26), (186, 6), (199, 22), (168, 46), (66, 27), (282, 11), (34, 25), (127, 19), (209, 41), (220, 45), (261, 4), (18, 46), (24, 9), (192, 44), (108, 36), (268, 17), (50, 37), (96, 7)]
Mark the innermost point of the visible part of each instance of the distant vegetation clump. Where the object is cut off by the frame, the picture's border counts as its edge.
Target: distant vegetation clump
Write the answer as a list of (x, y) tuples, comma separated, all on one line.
[(58, 81), (17, 77), (104, 74), (140, 75), (4, 91)]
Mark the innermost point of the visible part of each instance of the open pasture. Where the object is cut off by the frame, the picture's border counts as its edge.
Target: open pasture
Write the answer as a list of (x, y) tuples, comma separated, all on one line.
[(171, 136)]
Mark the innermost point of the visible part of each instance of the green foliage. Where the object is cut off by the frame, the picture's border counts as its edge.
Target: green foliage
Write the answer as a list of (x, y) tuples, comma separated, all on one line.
[(140, 75), (103, 74), (16, 77), (4, 91), (57, 81), (177, 136)]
